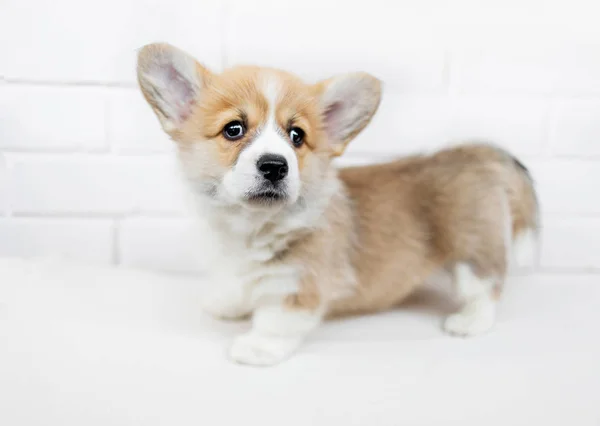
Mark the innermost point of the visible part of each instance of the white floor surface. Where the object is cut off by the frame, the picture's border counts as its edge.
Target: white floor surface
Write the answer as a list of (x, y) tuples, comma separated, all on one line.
[(89, 346)]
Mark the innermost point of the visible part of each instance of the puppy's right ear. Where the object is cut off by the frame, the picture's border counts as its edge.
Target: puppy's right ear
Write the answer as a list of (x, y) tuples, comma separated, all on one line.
[(171, 81), (348, 102)]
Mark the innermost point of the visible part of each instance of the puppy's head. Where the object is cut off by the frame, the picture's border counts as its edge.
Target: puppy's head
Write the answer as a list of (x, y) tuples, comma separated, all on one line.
[(250, 136)]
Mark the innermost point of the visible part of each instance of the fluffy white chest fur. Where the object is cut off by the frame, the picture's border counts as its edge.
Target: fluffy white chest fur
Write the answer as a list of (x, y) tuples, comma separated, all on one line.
[(246, 276), (244, 247)]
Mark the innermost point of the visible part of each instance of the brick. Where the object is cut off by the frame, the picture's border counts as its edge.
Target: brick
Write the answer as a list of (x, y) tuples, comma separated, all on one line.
[(267, 33), (408, 124), (571, 243), (132, 126), (575, 128), (3, 185), (70, 40), (97, 185), (51, 118), (82, 239), (571, 69), (567, 186), (160, 244)]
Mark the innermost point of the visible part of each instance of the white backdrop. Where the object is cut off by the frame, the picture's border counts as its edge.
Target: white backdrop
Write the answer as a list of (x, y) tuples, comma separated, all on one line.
[(86, 173)]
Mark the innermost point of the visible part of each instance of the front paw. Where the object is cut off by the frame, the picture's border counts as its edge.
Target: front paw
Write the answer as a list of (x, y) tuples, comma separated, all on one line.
[(262, 350), (226, 306)]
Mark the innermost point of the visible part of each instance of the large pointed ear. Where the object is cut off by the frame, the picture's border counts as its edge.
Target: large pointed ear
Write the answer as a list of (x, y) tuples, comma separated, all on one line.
[(348, 102), (171, 81)]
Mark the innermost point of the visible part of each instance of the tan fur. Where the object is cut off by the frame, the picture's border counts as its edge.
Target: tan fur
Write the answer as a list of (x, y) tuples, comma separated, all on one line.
[(326, 256), (425, 213), (236, 95), (403, 221)]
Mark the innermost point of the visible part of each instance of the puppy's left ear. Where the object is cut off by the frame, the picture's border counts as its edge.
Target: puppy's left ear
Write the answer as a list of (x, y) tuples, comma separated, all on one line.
[(347, 103)]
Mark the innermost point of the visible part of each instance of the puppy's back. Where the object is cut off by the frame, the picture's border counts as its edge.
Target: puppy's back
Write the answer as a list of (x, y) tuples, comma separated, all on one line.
[(428, 212)]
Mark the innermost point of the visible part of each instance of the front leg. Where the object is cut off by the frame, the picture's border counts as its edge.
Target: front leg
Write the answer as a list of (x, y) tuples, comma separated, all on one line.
[(277, 331)]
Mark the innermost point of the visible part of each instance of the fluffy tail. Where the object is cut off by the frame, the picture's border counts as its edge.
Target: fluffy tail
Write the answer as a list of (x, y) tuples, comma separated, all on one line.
[(525, 215)]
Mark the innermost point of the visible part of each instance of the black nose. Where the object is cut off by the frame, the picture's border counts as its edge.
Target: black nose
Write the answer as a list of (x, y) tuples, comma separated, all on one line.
[(273, 167)]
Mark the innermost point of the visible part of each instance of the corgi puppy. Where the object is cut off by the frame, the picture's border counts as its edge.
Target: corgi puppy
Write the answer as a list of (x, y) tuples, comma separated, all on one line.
[(295, 241)]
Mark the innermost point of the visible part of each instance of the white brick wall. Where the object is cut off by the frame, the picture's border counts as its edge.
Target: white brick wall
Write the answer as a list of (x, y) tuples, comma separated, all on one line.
[(39, 118), (3, 186), (164, 243), (549, 70), (130, 129), (86, 172), (93, 185), (574, 128), (571, 243), (87, 239)]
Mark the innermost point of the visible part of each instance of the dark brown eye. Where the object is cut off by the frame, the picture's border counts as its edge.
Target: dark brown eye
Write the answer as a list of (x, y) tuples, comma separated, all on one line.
[(234, 130), (297, 136)]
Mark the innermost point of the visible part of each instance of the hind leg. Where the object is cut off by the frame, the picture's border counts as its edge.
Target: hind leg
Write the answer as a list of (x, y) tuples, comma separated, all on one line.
[(478, 312), (478, 280)]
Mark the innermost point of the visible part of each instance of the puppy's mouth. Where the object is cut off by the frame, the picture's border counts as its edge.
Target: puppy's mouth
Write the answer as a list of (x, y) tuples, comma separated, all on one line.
[(267, 197)]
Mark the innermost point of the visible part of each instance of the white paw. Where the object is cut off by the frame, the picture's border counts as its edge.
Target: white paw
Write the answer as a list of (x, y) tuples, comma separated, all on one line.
[(470, 322), (225, 306), (261, 350)]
